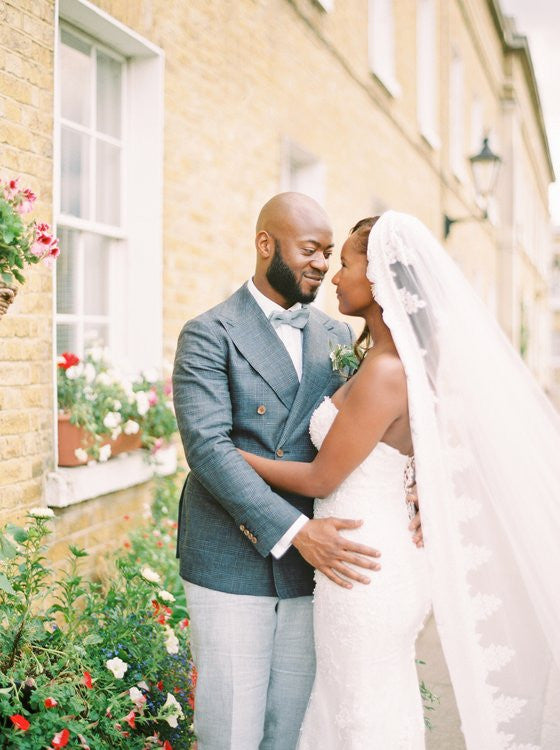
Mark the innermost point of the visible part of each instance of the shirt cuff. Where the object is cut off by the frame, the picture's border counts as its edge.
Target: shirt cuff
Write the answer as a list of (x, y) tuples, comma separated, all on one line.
[(284, 543)]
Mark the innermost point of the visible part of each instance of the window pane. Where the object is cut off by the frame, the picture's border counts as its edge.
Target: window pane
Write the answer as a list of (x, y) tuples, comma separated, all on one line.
[(95, 334), (66, 272), (108, 95), (108, 183), (75, 78), (74, 173), (66, 338), (96, 275)]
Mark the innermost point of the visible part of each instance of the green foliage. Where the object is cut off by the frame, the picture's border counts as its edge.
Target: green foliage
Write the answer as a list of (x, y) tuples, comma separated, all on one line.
[(62, 636)]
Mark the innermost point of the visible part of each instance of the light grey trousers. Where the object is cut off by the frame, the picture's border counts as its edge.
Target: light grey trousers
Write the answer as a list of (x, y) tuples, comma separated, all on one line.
[(256, 664)]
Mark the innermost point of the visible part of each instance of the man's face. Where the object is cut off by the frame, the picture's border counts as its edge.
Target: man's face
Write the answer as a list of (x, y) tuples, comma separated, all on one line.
[(299, 265)]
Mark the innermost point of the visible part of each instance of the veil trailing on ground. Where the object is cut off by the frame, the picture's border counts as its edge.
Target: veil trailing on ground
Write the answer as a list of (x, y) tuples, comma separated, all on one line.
[(487, 452)]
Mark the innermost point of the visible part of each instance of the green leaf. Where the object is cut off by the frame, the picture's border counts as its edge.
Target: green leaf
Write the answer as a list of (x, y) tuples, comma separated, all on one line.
[(19, 534), (7, 549), (77, 552), (5, 585)]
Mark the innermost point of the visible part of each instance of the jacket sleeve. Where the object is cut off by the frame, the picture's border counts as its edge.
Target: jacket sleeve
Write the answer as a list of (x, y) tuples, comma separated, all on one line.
[(204, 415)]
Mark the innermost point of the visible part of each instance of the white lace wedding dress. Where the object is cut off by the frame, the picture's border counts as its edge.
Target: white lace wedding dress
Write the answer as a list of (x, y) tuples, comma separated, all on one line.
[(366, 694)]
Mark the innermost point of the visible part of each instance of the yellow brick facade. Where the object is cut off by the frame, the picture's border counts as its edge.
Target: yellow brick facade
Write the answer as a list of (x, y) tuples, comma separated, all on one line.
[(241, 80)]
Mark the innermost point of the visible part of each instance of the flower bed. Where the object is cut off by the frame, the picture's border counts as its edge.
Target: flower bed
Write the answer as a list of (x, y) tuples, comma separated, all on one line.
[(96, 665)]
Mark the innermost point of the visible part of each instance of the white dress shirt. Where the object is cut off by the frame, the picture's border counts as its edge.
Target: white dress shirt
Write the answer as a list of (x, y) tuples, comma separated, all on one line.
[(292, 338)]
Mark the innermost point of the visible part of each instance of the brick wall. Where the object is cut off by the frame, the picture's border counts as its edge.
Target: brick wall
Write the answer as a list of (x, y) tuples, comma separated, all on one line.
[(26, 370)]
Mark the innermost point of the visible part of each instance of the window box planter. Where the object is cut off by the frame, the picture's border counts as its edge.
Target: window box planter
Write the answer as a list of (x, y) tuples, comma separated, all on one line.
[(71, 437)]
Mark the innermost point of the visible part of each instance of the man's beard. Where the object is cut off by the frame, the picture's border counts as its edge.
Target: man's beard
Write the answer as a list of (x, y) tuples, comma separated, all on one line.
[(281, 278)]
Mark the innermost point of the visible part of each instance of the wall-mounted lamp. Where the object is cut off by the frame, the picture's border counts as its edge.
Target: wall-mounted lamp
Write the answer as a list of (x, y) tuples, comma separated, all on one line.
[(485, 168)]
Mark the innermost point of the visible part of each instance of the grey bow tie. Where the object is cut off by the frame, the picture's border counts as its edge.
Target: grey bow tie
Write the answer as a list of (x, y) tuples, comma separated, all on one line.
[(295, 318)]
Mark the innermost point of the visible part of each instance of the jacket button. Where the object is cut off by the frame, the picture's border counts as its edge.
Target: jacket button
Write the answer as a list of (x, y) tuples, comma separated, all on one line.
[(261, 409), (279, 452)]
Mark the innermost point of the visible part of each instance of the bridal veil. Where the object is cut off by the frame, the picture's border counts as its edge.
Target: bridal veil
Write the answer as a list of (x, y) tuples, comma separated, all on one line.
[(487, 449)]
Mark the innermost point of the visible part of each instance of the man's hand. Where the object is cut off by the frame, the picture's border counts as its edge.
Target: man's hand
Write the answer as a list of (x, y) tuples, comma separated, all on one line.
[(416, 524), (326, 550)]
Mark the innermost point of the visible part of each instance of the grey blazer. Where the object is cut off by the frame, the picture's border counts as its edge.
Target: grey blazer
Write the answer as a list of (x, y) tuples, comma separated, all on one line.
[(234, 384)]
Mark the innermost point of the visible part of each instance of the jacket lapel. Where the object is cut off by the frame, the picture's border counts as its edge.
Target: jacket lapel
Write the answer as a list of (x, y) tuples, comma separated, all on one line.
[(259, 344)]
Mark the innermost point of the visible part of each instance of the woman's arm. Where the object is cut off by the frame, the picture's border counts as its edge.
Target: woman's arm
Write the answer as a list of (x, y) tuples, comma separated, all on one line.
[(377, 398)]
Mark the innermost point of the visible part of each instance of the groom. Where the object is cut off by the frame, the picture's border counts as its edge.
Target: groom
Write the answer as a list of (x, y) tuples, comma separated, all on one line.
[(249, 374)]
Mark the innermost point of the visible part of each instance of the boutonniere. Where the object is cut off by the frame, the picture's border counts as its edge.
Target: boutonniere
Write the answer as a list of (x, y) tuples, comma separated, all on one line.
[(344, 360)]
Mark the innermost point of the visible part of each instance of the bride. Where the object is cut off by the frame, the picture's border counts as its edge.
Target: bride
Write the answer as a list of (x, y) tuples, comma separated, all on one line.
[(442, 383)]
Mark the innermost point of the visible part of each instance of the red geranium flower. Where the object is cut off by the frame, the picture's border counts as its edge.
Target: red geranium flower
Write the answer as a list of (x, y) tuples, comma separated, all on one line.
[(20, 722), (61, 738), (68, 360), (50, 702), (130, 719), (87, 681)]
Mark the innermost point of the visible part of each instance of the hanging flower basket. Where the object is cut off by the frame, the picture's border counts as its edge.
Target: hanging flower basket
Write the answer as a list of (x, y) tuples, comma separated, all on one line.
[(7, 294), (21, 244), (74, 442)]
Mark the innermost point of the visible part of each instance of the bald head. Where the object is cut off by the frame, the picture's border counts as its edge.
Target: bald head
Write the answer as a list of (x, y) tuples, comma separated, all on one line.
[(294, 244), (291, 211)]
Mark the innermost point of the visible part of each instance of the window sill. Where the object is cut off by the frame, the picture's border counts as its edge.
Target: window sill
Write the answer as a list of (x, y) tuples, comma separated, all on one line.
[(69, 486)]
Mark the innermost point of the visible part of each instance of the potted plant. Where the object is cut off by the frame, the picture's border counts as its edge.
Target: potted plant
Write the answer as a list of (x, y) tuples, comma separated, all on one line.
[(102, 414), (21, 244)]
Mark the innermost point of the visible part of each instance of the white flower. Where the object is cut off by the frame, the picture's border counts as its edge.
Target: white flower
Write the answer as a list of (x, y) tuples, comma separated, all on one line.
[(150, 375), (40, 512), (142, 402), (81, 455), (150, 575), (137, 696), (103, 379), (104, 453), (89, 372), (131, 427), (117, 666), (171, 641), (112, 419), (177, 712), (165, 596), (74, 372), (96, 353), (116, 432)]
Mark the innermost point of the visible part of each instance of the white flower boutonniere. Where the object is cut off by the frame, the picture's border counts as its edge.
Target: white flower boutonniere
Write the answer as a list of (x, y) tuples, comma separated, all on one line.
[(344, 360)]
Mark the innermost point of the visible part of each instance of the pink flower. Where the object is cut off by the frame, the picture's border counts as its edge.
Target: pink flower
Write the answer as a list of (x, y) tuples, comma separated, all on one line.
[(26, 201), (61, 738), (50, 703), (20, 722), (45, 244)]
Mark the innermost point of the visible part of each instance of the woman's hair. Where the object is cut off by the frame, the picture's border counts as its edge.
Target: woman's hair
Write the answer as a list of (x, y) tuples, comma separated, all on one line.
[(364, 226)]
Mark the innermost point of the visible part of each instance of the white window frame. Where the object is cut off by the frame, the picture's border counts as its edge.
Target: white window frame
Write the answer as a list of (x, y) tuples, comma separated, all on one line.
[(116, 233), (426, 71), (140, 275), (457, 116), (382, 45)]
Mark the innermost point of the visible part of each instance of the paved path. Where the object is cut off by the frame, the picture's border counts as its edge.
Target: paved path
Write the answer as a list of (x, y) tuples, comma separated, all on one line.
[(446, 733)]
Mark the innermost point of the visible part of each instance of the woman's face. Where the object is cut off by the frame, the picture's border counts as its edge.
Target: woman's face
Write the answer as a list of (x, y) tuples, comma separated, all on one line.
[(353, 289)]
